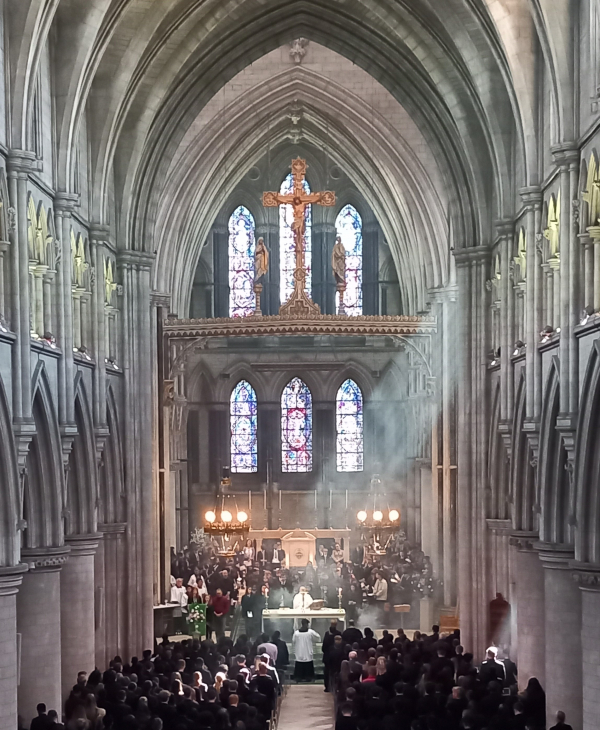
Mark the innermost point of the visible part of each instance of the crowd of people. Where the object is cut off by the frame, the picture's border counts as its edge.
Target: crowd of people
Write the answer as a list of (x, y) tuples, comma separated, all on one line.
[(394, 682), (259, 577), (426, 683), (187, 685)]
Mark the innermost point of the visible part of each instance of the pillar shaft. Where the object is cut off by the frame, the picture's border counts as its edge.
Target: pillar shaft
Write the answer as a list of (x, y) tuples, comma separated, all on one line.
[(10, 580), (77, 629), (562, 618), (530, 611), (589, 584), (38, 622)]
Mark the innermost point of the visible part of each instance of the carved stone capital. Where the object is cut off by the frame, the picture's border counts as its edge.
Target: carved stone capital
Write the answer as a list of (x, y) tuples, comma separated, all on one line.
[(524, 541), (83, 545), (587, 576), (555, 556), (45, 560), (11, 578)]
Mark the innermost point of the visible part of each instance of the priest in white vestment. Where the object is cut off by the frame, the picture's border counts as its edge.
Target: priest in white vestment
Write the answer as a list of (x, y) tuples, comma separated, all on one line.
[(302, 599), (303, 644)]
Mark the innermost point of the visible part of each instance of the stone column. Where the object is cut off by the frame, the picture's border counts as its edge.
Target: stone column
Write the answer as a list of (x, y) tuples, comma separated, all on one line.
[(10, 580), (220, 239), (38, 622), (589, 583), (472, 343), (529, 609), (77, 629), (562, 619)]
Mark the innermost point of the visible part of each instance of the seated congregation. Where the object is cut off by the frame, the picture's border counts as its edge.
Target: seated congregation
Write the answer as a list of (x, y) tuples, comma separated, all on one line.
[(390, 683)]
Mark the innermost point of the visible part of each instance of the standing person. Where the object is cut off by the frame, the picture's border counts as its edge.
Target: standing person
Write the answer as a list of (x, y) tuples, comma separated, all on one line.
[(248, 553), (302, 643), (221, 606), (380, 592), (303, 599), (252, 605), (179, 597)]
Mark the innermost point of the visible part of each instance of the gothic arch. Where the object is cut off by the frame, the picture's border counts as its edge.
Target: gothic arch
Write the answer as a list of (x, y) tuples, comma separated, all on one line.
[(43, 498), (81, 475), (353, 371), (9, 493), (523, 474), (498, 467), (111, 508), (587, 459), (554, 488)]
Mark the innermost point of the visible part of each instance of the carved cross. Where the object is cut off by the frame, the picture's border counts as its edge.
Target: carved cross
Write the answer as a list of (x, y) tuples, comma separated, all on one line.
[(299, 200)]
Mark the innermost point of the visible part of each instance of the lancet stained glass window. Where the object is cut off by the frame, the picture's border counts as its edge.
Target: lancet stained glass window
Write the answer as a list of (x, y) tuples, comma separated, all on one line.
[(349, 427), (243, 423), (241, 262), (348, 226), (296, 427), (287, 251)]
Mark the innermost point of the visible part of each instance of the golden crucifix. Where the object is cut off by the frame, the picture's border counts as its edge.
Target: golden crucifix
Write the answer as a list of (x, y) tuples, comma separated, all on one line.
[(299, 303)]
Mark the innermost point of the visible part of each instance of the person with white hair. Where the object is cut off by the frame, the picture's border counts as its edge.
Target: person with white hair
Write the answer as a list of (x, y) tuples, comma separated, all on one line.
[(303, 599)]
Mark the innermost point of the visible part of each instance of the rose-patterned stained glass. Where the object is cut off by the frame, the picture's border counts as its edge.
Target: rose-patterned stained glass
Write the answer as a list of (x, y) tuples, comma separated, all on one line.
[(296, 427), (243, 424), (349, 427), (241, 262), (287, 251), (348, 226)]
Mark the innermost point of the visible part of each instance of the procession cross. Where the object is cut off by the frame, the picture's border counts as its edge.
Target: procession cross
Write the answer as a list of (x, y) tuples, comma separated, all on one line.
[(299, 302)]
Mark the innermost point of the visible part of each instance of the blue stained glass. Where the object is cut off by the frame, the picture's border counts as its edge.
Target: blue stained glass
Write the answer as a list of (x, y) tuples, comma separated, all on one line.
[(349, 427), (296, 427), (287, 250), (243, 423), (241, 263), (348, 226)]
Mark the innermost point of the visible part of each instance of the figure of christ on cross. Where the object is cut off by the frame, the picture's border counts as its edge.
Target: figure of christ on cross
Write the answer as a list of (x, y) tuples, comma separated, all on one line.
[(298, 199)]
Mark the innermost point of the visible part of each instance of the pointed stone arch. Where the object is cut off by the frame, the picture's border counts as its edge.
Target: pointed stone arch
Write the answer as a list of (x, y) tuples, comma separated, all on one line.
[(587, 460), (81, 487), (523, 471), (43, 498), (9, 493), (554, 487)]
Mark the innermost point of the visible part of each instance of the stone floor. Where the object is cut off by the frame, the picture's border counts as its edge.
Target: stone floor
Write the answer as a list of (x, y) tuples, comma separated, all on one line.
[(306, 706)]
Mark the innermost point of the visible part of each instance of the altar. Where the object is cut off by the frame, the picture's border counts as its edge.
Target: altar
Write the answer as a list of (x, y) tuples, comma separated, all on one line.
[(302, 546), (276, 614)]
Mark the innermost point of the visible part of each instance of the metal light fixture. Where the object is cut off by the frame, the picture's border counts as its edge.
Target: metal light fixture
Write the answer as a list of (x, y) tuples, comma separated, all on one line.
[(242, 517), (394, 515), (377, 515), (361, 516), (226, 516), (210, 516)]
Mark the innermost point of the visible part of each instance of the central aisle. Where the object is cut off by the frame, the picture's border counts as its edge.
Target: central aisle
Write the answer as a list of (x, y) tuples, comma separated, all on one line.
[(307, 706)]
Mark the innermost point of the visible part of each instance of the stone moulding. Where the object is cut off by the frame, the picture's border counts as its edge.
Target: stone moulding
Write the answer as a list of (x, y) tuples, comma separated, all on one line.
[(318, 324)]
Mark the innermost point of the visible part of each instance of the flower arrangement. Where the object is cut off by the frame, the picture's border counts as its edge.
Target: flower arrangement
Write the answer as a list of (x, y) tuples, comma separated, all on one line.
[(195, 614)]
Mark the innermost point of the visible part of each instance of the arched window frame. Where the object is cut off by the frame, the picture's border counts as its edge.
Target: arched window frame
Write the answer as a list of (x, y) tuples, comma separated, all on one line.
[(287, 256), (243, 425), (296, 427), (241, 246), (349, 427), (348, 225)]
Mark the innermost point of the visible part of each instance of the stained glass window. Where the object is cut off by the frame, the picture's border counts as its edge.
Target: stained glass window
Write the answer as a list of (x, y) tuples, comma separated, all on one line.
[(349, 427), (241, 263), (296, 427), (348, 226), (287, 251), (242, 419)]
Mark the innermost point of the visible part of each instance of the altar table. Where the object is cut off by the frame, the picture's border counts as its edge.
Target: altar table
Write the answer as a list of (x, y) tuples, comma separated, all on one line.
[(298, 613)]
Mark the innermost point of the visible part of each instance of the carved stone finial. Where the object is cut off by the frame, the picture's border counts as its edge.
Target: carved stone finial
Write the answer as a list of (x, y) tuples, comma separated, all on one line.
[(298, 49)]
